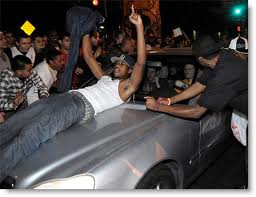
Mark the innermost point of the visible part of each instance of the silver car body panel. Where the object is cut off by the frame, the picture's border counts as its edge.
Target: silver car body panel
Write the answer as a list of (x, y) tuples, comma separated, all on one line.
[(118, 146)]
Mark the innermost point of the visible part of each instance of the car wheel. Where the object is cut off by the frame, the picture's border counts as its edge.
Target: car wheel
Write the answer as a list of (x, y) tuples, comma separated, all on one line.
[(160, 177)]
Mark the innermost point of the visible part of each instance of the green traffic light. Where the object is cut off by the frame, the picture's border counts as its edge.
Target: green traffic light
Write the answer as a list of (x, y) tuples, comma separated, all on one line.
[(237, 11)]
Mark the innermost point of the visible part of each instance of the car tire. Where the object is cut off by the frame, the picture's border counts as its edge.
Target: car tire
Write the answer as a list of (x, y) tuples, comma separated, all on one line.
[(160, 177)]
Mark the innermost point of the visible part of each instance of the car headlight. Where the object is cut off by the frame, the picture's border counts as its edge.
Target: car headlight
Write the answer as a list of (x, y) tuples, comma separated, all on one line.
[(81, 181)]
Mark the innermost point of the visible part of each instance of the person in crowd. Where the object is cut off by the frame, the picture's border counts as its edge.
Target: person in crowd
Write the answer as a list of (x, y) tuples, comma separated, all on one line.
[(116, 43), (95, 43), (118, 38), (150, 39), (64, 46), (169, 41), (53, 40), (4, 60), (240, 47), (37, 42), (45, 39), (219, 88), (39, 46), (15, 83), (65, 42), (82, 71), (23, 47), (47, 70), (189, 72), (10, 39), (45, 118), (153, 85), (128, 45), (151, 81), (239, 121)]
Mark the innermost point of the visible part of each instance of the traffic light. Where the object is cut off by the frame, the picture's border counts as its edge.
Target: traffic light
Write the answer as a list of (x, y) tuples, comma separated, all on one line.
[(238, 28), (238, 10)]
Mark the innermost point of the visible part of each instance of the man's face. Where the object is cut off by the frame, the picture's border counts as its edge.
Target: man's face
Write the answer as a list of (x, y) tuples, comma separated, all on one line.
[(120, 38), (189, 71), (53, 37), (151, 74), (26, 72), (38, 43), (10, 39), (58, 63), (66, 43), (3, 41), (121, 70), (95, 39), (129, 46), (45, 40), (24, 44)]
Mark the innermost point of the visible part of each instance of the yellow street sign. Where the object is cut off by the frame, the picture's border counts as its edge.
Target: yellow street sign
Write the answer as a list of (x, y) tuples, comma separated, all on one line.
[(28, 28)]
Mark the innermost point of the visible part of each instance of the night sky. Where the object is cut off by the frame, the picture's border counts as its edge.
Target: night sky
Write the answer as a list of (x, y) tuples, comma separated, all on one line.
[(203, 16)]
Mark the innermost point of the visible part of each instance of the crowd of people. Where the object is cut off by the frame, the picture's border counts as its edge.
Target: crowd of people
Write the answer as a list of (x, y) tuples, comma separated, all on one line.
[(48, 54), (34, 67)]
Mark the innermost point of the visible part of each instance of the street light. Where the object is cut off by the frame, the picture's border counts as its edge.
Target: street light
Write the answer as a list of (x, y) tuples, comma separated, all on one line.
[(95, 2)]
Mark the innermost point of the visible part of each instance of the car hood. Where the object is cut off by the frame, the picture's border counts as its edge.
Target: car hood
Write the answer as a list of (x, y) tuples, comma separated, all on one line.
[(87, 144)]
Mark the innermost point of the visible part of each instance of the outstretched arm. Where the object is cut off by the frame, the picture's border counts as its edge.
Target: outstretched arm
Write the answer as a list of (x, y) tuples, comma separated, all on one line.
[(90, 59), (183, 111), (190, 92)]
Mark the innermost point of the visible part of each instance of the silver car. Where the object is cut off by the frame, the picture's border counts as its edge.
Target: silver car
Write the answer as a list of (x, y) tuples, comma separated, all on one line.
[(127, 147)]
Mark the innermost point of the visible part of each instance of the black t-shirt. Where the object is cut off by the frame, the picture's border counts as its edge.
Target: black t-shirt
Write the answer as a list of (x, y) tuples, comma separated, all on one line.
[(206, 76), (227, 84)]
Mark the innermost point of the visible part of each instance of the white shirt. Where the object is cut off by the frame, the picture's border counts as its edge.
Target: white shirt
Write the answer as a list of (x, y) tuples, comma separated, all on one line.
[(103, 95), (31, 54), (48, 76)]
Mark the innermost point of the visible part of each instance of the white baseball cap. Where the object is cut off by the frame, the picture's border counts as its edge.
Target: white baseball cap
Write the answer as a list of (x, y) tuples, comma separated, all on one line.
[(239, 44)]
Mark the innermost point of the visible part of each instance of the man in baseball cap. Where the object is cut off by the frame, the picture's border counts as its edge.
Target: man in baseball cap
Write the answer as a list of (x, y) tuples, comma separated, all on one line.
[(123, 66), (240, 46)]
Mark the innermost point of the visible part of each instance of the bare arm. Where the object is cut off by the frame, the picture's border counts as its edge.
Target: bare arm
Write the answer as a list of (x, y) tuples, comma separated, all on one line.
[(138, 70), (183, 111), (90, 59), (190, 92)]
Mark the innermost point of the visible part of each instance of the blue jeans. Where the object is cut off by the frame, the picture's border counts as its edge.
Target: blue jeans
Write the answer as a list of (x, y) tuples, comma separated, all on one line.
[(26, 130)]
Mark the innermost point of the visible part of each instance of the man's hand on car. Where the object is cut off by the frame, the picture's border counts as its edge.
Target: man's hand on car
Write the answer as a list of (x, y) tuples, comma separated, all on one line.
[(151, 103)]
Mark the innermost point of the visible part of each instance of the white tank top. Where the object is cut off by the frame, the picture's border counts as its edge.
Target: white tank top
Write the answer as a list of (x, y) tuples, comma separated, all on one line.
[(31, 54), (103, 95)]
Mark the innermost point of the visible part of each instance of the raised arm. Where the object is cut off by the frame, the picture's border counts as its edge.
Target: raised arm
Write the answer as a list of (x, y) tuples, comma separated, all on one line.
[(138, 70), (90, 59)]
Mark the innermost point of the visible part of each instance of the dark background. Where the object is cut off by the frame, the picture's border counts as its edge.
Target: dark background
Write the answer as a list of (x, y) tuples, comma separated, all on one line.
[(210, 16)]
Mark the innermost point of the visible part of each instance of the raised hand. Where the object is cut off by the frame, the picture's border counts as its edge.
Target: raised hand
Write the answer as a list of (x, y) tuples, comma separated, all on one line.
[(135, 18)]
